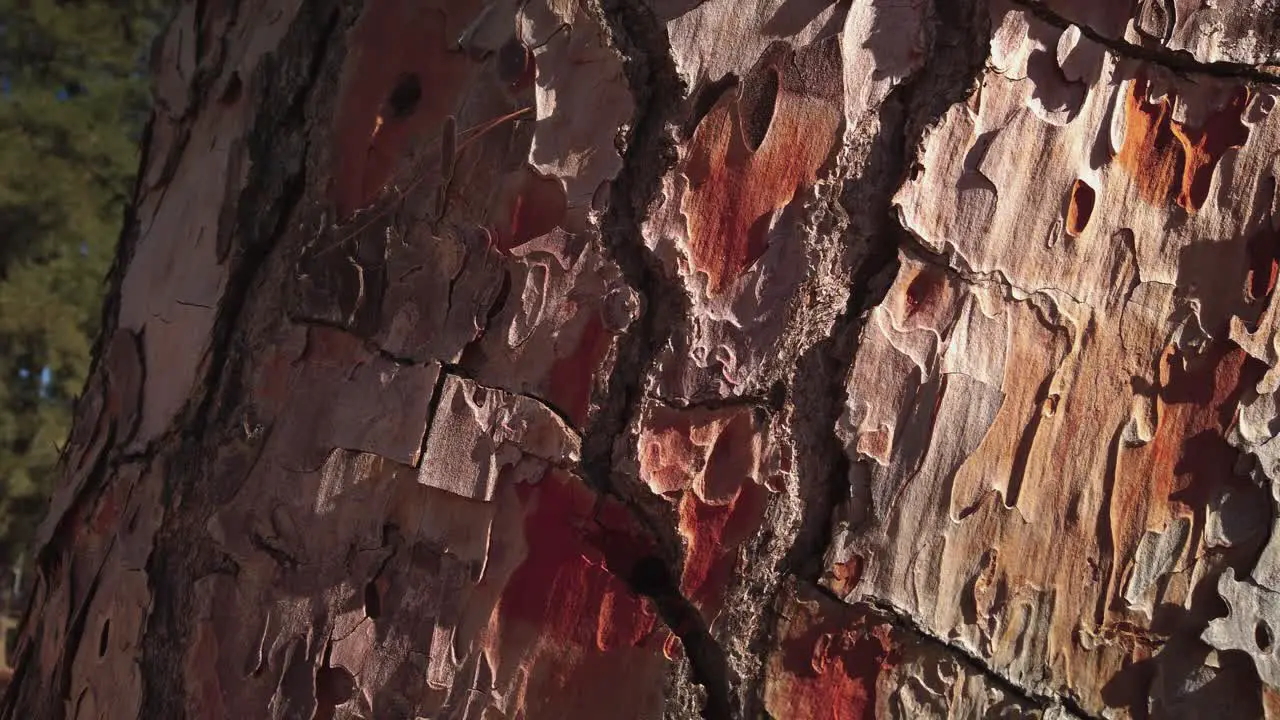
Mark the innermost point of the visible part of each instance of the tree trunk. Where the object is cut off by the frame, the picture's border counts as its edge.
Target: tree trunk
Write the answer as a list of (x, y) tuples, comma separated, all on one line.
[(563, 359)]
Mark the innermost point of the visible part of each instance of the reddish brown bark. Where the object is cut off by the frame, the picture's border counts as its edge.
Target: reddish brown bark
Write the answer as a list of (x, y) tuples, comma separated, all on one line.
[(571, 359)]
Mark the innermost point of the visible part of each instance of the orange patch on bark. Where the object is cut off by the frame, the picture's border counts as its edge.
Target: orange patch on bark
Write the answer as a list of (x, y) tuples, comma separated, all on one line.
[(1200, 402), (734, 190), (707, 451), (1167, 158), (1189, 458), (1264, 262), (398, 45), (1205, 146)]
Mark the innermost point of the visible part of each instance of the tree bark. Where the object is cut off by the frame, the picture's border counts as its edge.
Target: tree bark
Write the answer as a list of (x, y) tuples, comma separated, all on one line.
[(555, 358)]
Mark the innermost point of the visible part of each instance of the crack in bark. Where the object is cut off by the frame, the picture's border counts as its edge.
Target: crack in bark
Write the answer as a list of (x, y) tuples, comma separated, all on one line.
[(949, 75), (906, 622), (641, 39), (771, 403), (951, 261), (649, 154), (280, 126), (958, 39), (446, 369), (1179, 61), (1044, 302)]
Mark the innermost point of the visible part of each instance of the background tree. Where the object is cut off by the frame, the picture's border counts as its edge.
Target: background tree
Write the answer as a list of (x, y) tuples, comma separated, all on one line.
[(73, 100)]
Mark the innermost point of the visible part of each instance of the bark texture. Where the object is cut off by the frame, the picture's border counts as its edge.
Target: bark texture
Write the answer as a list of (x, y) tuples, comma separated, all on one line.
[(606, 359)]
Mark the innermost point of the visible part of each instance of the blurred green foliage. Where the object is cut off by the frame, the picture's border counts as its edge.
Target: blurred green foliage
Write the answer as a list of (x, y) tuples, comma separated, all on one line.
[(73, 101)]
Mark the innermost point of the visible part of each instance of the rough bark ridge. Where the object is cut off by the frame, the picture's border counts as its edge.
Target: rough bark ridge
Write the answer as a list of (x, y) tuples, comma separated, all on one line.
[(564, 358)]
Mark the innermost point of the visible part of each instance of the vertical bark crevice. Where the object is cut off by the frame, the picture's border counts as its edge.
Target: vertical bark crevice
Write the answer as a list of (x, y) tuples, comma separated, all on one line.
[(957, 55), (650, 153), (950, 74), (272, 192), (641, 38)]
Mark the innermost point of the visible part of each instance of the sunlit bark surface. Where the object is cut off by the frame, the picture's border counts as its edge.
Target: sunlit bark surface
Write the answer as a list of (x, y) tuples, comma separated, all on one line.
[(738, 358)]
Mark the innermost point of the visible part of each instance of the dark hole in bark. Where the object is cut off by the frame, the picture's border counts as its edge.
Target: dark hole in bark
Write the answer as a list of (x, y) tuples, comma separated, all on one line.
[(1080, 208), (334, 686), (756, 106), (404, 97), (600, 198), (500, 300), (372, 602), (513, 58), (923, 288), (1264, 251), (778, 396), (11, 641), (231, 93), (104, 637), (1262, 636), (706, 98), (651, 577)]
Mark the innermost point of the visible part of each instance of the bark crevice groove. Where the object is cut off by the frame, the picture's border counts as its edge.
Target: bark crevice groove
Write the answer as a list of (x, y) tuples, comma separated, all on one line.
[(639, 36), (1180, 62)]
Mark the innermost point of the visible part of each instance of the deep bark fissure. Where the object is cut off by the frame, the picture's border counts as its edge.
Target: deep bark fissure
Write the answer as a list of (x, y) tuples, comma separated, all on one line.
[(265, 207), (1177, 61), (649, 154), (752, 402), (639, 36), (906, 622), (949, 74)]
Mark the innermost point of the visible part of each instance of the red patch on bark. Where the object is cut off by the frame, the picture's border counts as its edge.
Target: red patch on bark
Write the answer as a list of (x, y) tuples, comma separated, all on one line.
[(670, 456), (529, 207), (734, 189), (713, 534), (845, 576), (573, 376), (707, 462), (1165, 157), (1080, 208), (397, 44), (570, 585), (923, 291), (829, 665), (105, 515), (708, 451)]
